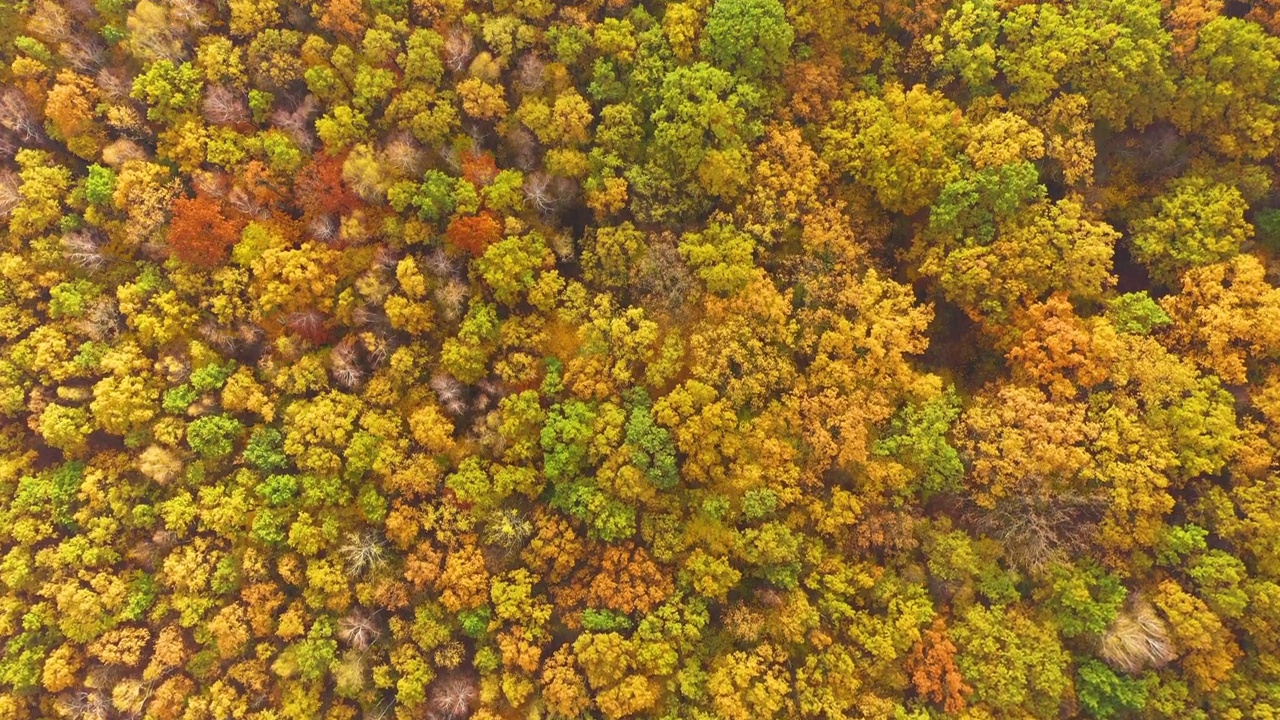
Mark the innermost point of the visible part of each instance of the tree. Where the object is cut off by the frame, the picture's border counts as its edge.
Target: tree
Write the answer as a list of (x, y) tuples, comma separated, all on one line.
[(170, 90), (1229, 94), (1113, 52), (1226, 316), (473, 233), (902, 144), (1015, 664), (750, 38), (199, 233), (721, 255), (1198, 222), (933, 669)]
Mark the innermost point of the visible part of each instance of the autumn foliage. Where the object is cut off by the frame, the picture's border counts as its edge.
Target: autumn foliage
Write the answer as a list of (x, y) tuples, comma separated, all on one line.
[(639, 360), (199, 233), (473, 233)]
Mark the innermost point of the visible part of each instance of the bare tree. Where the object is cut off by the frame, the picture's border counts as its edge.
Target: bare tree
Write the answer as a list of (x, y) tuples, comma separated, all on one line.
[(83, 250), (50, 21), (325, 228), (452, 296), (344, 364), (1035, 527), (84, 705), (17, 116), (112, 84), (86, 53), (10, 195), (359, 629), (224, 105), (459, 46), (453, 696), (449, 392), (296, 122), (404, 154), (439, 264), (524, 147), (1137, 639), (530, 72), (102, 321), (363, 552)]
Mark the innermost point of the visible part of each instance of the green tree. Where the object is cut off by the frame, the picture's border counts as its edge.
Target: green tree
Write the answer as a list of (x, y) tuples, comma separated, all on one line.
[(750, 38)]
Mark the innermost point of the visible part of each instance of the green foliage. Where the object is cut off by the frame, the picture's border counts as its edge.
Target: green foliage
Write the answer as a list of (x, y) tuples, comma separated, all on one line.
[(1196, 223), (1104, 694), (265, 449), (604, 621), (1084, 599), (99, 185), (213, 436), (1136, 313), (168, 89), (748, 37), (918, 436)]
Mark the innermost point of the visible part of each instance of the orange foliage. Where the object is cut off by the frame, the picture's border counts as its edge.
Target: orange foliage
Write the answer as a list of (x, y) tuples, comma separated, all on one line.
[(319, 189), (932, 665), (199, 233), (628, 581), (473, 233), (479, 168)]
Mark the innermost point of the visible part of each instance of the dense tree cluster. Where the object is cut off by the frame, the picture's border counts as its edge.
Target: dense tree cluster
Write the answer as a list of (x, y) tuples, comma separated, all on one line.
[(603, 359)]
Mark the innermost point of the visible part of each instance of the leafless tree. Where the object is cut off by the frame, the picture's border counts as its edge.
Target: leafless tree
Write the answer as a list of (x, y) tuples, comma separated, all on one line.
[(459, 46), (363, 552), (102, 321), (297, 122), (112, 83), (83, 250), (453, 696), (530, 72), (10, 195), (449, 392), (452, 296), (307, 323), (17, 116), (359, 629), (1035, 527), (439, 264), (344, 364), (404, 154), (187, 13), (663, 280), (1137, 639), (325, 228), (386, 258), (243, 201), (50, 21), (85, 705), (225, 105), (524, 148), (86, 53), (366, 315)]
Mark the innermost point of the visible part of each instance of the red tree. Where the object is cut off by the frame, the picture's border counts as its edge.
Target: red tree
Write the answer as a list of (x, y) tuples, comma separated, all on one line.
[(473, 233), (319, 189), (199, 233), (479, 167)]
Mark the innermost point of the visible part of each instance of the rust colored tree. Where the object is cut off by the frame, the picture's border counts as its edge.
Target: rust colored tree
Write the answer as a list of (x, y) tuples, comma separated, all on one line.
[(320, 191), (473, 233), (199, 233)]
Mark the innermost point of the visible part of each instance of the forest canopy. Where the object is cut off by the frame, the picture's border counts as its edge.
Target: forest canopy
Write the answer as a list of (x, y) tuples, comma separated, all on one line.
[(604, 359)]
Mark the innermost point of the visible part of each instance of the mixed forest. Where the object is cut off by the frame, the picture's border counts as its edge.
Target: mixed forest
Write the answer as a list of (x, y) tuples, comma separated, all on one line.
[(603, 359)]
